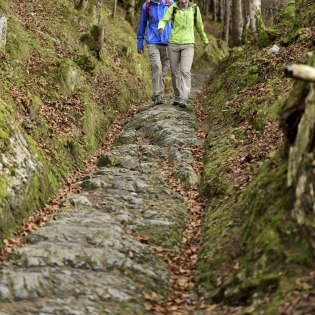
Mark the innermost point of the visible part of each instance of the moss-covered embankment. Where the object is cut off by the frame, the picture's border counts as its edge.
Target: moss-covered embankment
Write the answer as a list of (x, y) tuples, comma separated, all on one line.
[(253, 248), (69, 70)]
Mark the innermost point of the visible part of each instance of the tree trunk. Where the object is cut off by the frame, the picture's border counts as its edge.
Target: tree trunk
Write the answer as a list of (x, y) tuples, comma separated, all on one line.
[(130, 15), (254, 9), (237, 23), (246, 20), (226, 24), (269, 8), (221, 10), (214, 10), (205, 7), (114, 9), (3, 31), (297, 121)]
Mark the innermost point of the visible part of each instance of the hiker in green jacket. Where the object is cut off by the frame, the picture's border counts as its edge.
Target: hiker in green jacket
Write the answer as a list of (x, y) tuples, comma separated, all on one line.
[(184, 16)]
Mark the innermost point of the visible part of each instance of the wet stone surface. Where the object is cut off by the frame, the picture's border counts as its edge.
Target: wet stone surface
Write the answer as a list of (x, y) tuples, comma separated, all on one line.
[(88, 259)]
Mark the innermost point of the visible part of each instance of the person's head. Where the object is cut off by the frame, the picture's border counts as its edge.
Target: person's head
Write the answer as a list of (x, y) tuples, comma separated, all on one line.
[(183, 3)]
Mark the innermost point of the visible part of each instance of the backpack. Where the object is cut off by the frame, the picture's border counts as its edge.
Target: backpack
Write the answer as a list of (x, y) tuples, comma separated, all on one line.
[(148, 3), (195, 13)]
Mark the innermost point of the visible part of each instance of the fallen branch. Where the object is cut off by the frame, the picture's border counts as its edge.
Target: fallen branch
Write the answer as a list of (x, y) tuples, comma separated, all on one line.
[(301, 72)]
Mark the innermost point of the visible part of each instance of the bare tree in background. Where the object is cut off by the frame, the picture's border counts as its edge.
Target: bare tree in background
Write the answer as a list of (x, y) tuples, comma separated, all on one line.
[(130, 14), (114, 9), (206, 6), (252, 12), (221, 10), (269, 8), (245, 20), (237, 23), (215, 10), (226, 20)]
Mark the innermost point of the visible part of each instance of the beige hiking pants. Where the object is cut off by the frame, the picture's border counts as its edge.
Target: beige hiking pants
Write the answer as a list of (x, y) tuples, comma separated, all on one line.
[(159, 66), (181, 58)]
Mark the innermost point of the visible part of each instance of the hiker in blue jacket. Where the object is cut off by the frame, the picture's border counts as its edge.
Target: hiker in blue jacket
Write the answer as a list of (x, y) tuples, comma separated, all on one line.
[(152, 12)]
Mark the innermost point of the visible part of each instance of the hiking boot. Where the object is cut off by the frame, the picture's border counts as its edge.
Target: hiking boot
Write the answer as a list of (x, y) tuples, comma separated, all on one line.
[(176, 103), (158, 100)]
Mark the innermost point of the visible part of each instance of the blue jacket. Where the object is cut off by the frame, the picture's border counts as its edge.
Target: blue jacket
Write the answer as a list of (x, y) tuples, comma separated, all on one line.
[(150, 25)]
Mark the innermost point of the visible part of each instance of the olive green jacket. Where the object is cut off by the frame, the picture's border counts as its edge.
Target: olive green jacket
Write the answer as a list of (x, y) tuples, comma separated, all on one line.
[(183, 25)]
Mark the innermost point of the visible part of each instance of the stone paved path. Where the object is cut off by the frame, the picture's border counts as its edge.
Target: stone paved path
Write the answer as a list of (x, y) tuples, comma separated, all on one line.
[(91, 258)]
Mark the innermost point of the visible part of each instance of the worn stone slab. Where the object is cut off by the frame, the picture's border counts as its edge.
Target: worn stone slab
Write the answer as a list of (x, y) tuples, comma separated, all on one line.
[(89, 259)]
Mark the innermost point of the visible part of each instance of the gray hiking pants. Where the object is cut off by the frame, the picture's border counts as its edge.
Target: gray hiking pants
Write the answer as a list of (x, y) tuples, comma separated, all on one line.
[(159, 66), (181, 58)]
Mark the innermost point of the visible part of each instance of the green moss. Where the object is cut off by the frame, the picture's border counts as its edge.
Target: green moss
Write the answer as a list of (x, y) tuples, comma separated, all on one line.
[(7, 222), (214, 182), (86, 63), (3, 190), (305, 13), (251, 239), (42, 65), (5, 130), (168, 238), (271, 240), (268, 111), (285, 18), (297, 35), (94, 39), (250, 77), (214, 52), (149, 284), (19, 43), (239, 133), (263, 35), (248, 109), (68, 76), (41, 187), (219, 248), (252, 245), (231, 79)]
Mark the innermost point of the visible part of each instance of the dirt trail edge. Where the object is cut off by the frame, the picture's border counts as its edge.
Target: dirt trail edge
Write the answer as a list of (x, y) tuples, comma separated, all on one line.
[(126, 242)]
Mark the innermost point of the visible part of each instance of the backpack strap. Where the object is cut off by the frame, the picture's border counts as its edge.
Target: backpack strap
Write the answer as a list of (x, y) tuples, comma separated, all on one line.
[(147, 8)]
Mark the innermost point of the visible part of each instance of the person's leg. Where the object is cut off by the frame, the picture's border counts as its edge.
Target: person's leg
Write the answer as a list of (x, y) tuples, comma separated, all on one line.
[(187, 56), (165, 62), (174, 57), (156, 69)]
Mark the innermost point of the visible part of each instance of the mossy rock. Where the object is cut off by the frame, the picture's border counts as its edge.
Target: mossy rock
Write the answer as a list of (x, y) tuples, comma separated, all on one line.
[(272, 243), (305, 13), (295, 36), (285, 18), (213, 181), (69, 74), (43, 67)]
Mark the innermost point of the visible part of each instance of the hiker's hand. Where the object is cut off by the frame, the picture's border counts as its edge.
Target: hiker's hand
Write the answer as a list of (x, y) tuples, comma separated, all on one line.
[(140, 51), (160, 31)]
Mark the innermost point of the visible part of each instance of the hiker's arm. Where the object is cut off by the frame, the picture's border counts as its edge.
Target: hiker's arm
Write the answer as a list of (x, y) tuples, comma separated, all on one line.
[(141, 28), (200, 29), (166, 18)]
